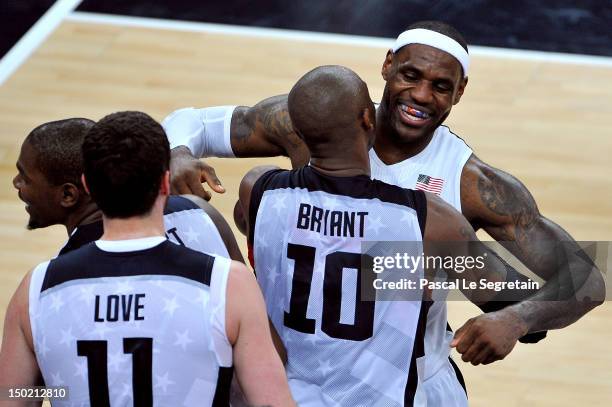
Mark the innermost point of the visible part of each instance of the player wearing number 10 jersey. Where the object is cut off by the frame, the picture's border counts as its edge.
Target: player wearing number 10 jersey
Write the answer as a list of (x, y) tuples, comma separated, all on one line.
[(132, 318), (305, 230)]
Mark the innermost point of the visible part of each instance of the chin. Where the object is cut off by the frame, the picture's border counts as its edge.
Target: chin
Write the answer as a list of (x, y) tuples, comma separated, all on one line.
[(407, 134), (34, 224)]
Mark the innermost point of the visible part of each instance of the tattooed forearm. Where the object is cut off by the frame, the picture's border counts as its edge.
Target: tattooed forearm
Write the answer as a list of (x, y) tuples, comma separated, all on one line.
[(503, 206), (265, 130)]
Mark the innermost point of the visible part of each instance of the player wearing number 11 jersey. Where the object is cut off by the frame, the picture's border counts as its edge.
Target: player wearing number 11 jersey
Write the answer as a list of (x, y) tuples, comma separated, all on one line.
[(305, 230), (133, 319)]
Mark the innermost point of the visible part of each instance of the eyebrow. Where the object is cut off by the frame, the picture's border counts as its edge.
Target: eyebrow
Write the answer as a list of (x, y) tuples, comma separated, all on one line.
[(408, 66)]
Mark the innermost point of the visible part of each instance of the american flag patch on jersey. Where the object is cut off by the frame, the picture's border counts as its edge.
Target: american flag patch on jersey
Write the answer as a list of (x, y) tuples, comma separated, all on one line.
[(430, 184)]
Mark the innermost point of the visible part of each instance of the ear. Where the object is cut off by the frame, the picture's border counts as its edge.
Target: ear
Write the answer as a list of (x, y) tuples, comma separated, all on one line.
[(164, 187), (386, 67), (367, 119), (239, 218), (70, 195), (460, 90), (84, 182)]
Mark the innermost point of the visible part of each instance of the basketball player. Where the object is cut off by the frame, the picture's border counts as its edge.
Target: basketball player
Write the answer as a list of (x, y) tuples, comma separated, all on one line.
[(48, 181), (132, 319), (306, 228), (426, 73)]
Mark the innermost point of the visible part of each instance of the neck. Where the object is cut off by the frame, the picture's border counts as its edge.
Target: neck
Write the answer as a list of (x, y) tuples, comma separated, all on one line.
[(388, 146), (349, 165), (148, 225), (88, 213)]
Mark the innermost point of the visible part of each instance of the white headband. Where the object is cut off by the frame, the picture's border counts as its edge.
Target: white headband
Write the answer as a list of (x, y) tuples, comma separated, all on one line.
[(436, 40)]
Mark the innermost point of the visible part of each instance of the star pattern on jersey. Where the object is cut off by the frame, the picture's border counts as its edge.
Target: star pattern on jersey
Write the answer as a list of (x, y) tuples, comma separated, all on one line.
[(407, 217), (202, 298), (182, 339), (114, 360), (191, 235), (158, 283), (126, 392), (313, 339), (124, 286), (42, 347), (262, 243), (324, 367), (330, 202), (163, 382), (375, 224), (170, 306), (101, 329), (67, 337), (279, 203), (272, 274), (80, 368), (56, 379), (312, 237), (86, 294), (136, 324), (56, 302)]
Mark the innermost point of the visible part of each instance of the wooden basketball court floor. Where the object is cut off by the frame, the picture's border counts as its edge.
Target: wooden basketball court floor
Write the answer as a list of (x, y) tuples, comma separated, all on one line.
[(545, 121)]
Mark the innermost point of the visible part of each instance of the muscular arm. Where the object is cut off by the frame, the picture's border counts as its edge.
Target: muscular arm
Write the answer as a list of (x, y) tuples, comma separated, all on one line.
[(263, 130), (504, 208), (18, 366)]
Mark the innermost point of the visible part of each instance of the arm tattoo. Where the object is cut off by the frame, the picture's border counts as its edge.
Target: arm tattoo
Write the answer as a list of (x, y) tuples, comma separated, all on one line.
[(512, 202), (509, 213)]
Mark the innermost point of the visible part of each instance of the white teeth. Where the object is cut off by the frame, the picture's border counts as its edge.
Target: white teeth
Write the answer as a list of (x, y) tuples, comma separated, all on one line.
[(414, 117)]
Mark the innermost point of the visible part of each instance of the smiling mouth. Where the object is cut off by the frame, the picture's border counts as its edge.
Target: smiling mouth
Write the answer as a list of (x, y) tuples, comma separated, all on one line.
[(412, 115)]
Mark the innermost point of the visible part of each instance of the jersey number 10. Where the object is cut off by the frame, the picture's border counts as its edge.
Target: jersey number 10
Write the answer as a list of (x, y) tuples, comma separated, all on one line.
[(335, 263)]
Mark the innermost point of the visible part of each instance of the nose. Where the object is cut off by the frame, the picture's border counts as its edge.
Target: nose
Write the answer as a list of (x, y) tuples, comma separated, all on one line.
[(17, 181), (422, 93)]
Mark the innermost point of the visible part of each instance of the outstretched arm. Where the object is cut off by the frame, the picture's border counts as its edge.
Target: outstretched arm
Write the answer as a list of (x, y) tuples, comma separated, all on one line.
[(501, 205), (263, 130)]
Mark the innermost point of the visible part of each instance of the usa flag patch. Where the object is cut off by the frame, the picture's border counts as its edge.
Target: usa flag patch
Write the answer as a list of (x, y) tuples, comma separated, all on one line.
[(430, 184)]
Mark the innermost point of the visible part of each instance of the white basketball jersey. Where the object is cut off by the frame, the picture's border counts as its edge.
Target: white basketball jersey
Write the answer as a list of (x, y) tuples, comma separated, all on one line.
[(133, 323), (436, 169), (186, 224), (307, 230)]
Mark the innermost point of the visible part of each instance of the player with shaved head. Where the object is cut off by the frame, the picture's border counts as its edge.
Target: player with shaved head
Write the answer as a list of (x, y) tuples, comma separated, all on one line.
[(426, 72), (305, 230)]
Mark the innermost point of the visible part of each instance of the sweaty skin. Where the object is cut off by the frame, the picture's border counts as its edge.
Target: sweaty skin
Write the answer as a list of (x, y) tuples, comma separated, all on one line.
[(429, 80)]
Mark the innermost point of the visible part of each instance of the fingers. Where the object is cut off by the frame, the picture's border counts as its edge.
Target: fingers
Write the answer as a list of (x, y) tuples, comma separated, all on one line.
[(178, 187), (208, 175), (483, 355), (460, 332), (195, 187)]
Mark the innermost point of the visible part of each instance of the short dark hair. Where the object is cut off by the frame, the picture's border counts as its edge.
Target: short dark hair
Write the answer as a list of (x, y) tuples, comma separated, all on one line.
[(442, 28), (58, 146), (125, 156)]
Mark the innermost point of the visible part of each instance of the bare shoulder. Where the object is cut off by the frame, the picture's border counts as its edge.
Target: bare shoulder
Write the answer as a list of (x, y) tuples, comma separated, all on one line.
[(241, 287), (490, 195), (251, 177)]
